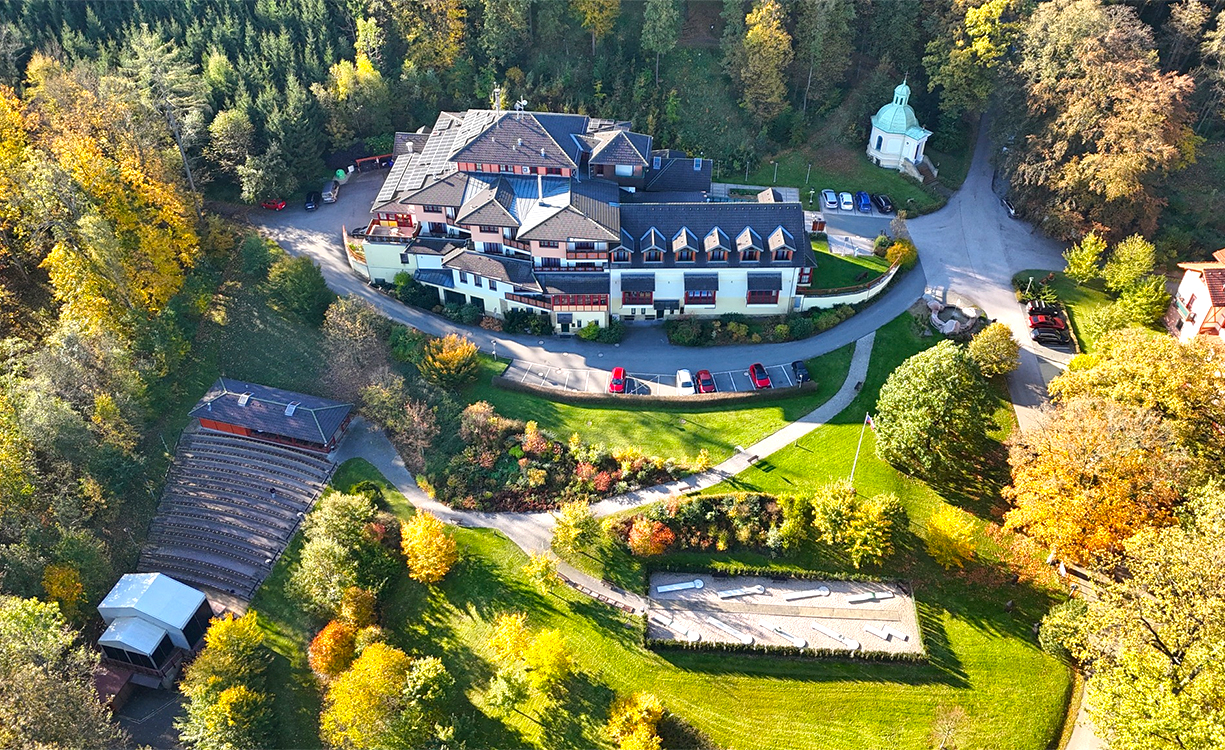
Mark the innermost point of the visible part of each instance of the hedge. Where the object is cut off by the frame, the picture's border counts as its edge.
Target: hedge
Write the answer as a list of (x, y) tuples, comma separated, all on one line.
[(588, 398), (658, 644)]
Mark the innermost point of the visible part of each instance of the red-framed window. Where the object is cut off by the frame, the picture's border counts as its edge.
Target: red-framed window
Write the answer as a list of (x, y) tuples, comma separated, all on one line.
[(700, 297), (637, 298), (763, 297)]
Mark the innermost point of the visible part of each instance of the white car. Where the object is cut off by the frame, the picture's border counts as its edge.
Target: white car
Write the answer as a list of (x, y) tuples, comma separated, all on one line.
[(684, 383), (829, 199), (846, 202)]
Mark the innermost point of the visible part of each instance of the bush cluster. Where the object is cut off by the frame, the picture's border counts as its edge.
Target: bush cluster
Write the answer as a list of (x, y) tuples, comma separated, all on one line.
[(509, 465), (704, 523), (610, 334), (734, 328), (411, 292), (519, 320)]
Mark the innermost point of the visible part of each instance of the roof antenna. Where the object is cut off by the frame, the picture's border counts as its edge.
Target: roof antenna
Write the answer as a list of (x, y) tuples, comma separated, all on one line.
[(497, 100), (519, 105)]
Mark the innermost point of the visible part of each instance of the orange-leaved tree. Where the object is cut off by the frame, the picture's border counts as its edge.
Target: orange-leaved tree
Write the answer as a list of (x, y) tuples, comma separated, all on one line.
[(333, 649), (429, 550), (649, 537)]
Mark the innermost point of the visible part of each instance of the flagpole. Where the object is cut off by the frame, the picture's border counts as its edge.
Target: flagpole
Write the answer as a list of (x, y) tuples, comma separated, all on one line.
[(855, 463)]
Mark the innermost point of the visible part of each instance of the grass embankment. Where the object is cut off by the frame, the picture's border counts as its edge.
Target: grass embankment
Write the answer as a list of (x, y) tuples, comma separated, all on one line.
[(983, 657), (680, 431), (1077, 300), (840, 168), (837, 271)]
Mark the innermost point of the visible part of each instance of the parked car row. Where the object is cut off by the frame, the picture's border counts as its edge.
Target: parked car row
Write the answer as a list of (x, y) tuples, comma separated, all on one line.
[(1047, 324), (860, 201), (329, 194), (704, 382)]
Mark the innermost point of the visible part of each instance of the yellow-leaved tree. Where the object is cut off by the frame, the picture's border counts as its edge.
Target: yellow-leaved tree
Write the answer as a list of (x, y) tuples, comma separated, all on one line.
[(429, 550), (950, 537), (632, 722), (359, 708), (510, 638), (548, 661), (449, 361)]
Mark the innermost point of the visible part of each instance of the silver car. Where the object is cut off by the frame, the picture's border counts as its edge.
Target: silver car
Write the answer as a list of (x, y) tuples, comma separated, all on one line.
[(829, 199), (846, 202), (684, 383)]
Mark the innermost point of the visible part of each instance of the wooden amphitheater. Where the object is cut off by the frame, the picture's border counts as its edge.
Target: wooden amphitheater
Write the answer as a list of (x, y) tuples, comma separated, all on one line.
[(244, 475)]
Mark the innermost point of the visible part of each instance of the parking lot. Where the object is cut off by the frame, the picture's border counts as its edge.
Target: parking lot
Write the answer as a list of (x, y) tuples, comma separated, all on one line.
[(637, 383)]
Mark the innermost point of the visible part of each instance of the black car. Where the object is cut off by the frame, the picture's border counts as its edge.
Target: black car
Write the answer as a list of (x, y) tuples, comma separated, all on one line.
[(1050, 337), (312, 200), (1011, 209), (883, 203), (800, 371)]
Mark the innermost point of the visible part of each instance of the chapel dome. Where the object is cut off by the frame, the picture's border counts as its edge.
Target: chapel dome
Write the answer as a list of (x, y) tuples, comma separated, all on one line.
[(897, 116)]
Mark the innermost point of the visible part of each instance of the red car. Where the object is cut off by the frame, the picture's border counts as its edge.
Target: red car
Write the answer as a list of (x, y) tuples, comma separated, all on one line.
[(617, 383), (759, 376), (1047, 321), (274, 204), (705, 382)]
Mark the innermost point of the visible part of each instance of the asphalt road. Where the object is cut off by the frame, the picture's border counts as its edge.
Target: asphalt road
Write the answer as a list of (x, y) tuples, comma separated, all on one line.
[(645, 349), (971, 248)]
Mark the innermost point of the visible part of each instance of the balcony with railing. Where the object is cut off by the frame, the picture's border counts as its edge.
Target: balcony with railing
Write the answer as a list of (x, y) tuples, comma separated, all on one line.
[(390, 230)]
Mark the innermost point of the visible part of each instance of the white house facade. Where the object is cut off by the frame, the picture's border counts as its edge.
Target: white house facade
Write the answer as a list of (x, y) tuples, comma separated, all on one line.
[(1198, 308)]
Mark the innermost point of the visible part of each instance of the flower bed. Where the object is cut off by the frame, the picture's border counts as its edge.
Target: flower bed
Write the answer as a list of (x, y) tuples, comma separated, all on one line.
[(507, 465)]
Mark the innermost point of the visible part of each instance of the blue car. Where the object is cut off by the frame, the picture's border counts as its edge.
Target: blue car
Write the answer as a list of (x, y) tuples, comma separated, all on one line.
[(863, 202)]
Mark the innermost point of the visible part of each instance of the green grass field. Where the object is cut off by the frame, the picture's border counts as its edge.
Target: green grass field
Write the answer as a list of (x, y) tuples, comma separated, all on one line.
[(667, 431), (1078, 300), (836, 271)]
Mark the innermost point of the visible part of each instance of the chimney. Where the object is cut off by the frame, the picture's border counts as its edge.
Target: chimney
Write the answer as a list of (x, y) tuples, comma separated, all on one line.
[(539, 187), (410, 147)]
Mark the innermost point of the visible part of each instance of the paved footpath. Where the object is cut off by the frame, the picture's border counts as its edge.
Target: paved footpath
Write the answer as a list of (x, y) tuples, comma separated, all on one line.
[(533, 532)]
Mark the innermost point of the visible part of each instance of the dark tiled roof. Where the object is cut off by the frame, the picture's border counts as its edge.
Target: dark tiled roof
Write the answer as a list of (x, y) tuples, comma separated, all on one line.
[(701, 282), (533, 139), (442, 277), (430, 246), (314, 419), (574, 283), (403, 140), (491, 206), (593, 214), (670, 196), (677, 175), (497, 267), (637, 282), (1214, 279), (620, 147), (765, 282), (762, 219), (449, 191)]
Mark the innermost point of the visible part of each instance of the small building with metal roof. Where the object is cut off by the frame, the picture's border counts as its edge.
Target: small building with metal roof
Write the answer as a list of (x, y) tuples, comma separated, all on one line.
[(279, 416)]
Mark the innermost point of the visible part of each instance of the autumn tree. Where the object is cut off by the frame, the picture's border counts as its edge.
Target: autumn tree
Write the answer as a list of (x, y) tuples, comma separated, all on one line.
[(862, 527), (798, 528), (449, 361), (510, 638), (62, 583), (541, 570), (648, 538), (357, 607), (1096, 125), (633, 721), (597, 16), (47, 698), (386, 699), (1156, 640), (355, 343), (767, 53), (994, 350), (428, 549), (576, 528), (356, 100), (1131, 260), (661, 25), (224, 686), (824, 36), (1091, 475), (950, 537), (333, 649), (1180, 382), (548, 662), (932, 410), (339, 553), (962, 59), (1083, 258)]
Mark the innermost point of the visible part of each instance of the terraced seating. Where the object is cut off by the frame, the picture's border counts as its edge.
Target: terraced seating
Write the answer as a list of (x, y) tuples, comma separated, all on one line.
[(231, 504)]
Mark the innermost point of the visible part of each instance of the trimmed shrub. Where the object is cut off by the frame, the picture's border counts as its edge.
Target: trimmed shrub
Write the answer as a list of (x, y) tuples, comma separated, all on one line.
[(411, 292), (902, 252), (449, 361)]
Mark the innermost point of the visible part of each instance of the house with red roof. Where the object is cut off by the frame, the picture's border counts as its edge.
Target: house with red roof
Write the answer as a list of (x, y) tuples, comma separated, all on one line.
[(1198, 309)]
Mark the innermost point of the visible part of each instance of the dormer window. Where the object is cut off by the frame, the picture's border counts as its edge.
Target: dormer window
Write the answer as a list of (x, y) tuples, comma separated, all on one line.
[(718, 255), (653, 256)]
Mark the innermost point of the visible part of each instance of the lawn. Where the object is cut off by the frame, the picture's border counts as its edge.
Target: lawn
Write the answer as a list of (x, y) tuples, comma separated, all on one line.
[(1078, 300), (837, 271), (672, 431), (840, 168)]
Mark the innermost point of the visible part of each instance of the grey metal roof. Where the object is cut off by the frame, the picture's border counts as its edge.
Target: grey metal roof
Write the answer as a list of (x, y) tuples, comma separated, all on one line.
[(513, 271), (678, 175), (491, 206), (314, 419), (592, 214), (637, 282), (701, 282), (574, 283), (442, 277), (532, 139), (620, 147), (765, 282)]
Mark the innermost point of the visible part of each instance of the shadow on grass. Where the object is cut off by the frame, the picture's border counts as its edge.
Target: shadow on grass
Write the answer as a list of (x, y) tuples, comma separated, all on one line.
[(579, 715), (817, 669)]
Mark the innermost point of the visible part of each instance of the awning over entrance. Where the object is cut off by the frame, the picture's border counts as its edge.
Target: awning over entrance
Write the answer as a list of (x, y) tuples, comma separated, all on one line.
[(662, 305)]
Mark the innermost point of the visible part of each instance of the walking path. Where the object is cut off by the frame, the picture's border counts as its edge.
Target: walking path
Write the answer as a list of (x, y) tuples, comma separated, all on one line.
[(533, 532)]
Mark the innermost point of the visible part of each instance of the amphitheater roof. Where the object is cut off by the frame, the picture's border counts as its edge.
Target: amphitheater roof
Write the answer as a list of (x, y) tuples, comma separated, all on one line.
[(272, 411)]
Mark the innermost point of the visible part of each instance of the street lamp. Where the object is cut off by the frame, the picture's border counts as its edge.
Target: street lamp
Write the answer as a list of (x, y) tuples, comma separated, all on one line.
[(811, 193), (775, 171), (808, 173)]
